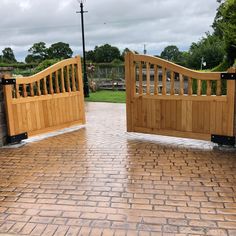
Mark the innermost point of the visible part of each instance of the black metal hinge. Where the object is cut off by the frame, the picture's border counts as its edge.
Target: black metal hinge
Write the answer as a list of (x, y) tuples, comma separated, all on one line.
[(228, 76), (8, 81), (17, 138), (223, 140)]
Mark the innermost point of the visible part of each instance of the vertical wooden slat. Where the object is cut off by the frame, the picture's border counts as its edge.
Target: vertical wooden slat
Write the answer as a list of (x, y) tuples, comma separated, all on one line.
[(163, 81), (77, 79), (181, 84), (213, 117), (189, 116), (140, 89), (173, 118), (73, 77), (37, 116), (51, 85), (155, 79), (148, 78), (31, 89), (218, 87), (38, 88), (190, 86), (219, 117), (17, 91), (231, 104), (208, 88), (129, 90), (56, 82), (168, 114), (62, 81), (24, 90), (163, 114), (17, 118), (199, 87), (172, 83), (45, 90), (68, 79)]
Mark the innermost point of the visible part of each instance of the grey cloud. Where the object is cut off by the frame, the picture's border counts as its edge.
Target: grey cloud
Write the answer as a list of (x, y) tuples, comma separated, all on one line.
[(123, 23)]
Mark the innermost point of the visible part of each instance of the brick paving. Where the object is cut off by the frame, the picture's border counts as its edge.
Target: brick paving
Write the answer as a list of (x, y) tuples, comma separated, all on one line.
[(100, 180)]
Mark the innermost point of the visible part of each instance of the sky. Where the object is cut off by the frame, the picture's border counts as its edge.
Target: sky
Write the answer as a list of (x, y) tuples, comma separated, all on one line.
[(122, 23)]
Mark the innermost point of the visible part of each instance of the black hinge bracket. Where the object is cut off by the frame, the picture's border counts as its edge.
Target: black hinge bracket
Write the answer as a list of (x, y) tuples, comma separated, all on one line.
[(228, 76), (223, 140), (8, 81), (17, 138)]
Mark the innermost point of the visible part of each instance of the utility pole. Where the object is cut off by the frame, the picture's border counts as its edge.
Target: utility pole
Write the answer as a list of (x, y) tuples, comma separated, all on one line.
[(144, 49), (85, 78)]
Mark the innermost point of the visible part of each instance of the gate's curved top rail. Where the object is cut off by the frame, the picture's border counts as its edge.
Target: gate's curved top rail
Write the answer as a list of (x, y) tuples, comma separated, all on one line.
[(177, 68), (61, 77), (46, 72), (153, 75)]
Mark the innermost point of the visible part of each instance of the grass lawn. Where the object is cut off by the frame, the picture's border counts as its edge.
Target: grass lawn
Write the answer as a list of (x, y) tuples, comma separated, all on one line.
[(107, 96)]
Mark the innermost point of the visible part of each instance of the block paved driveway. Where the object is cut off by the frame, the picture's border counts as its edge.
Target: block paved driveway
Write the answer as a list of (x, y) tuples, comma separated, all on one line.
[(100, 180)]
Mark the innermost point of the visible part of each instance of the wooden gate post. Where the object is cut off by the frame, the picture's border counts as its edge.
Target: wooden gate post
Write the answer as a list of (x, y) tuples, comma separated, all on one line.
[(130, 85)]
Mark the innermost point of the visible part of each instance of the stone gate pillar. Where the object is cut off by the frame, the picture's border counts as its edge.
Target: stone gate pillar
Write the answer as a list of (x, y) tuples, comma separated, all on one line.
[(4, 71)]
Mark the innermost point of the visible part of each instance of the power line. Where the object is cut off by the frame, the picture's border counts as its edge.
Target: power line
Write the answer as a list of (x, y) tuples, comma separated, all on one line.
[(70, 25)]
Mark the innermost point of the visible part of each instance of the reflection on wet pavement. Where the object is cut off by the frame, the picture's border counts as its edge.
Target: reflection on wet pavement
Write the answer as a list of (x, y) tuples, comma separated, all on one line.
[(100, 180)]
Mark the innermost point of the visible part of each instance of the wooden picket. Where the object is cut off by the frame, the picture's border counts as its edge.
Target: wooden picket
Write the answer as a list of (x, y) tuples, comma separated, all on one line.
[(50, 100), (153, 107)]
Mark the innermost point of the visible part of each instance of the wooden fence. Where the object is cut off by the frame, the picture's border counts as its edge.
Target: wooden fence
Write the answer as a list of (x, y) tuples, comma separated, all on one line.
[(50, 100), (176, 101)]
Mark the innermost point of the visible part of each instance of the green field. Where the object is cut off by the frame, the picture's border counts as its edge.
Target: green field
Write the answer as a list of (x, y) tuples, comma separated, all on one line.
[(107, 96)]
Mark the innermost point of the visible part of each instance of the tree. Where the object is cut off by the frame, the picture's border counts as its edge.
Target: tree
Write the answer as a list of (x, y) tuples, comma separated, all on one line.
[(8, 55), (30, 59), (90, 55), (210, 48), (60, 50), (38, 53), (171, 53), (225, 27), (106, 53)]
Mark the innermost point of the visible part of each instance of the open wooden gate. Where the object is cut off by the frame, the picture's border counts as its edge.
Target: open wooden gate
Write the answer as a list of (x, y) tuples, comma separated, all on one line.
[(50, 100), (167, 99)]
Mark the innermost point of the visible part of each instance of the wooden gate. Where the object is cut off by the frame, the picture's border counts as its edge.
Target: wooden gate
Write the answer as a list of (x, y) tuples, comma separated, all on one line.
[(50, 100), (167, 99)]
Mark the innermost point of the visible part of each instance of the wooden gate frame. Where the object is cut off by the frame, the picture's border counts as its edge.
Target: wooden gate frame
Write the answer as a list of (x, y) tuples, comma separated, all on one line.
[(140, 103), (50, 100)]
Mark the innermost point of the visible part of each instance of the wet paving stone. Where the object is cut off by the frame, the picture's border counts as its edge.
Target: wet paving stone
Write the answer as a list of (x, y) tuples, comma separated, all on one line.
[(101, 180)]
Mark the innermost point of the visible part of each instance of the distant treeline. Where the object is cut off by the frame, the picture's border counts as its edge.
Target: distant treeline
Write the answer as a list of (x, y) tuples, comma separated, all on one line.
[(217, 49)]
